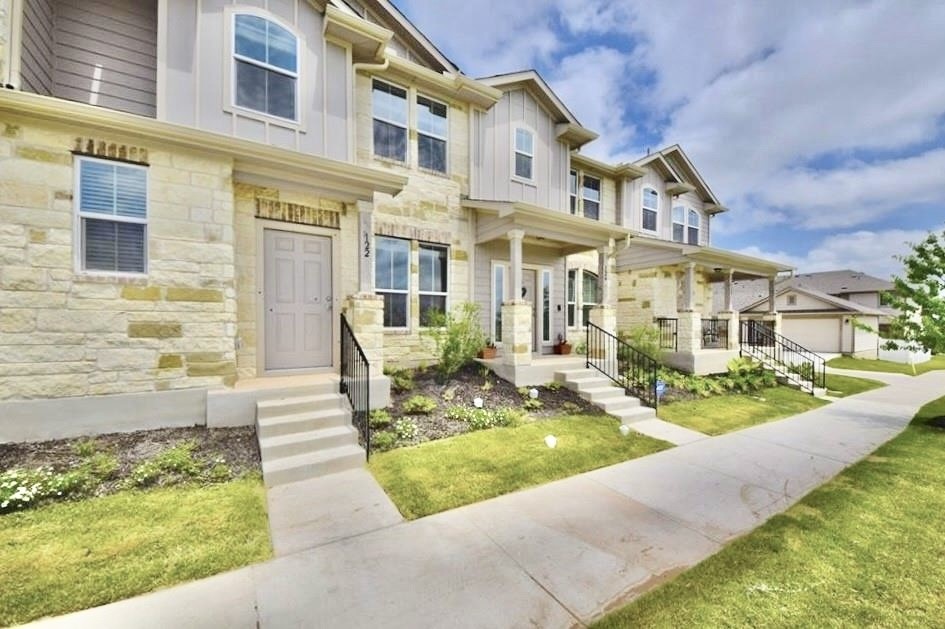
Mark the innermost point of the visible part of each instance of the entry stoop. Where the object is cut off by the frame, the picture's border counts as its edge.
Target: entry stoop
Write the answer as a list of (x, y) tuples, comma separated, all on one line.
[(305, 433), (601, 392)]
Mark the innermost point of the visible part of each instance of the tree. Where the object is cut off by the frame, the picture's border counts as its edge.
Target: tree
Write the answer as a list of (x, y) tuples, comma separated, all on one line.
[(920, 295)]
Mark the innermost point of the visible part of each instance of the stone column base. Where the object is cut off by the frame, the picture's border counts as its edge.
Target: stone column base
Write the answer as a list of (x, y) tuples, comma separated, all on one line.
[(689, 332), (734, 329), (365, 315), (517, 333)]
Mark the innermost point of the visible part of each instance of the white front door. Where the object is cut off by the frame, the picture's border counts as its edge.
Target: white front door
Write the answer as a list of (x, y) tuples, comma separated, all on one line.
[(298, 300)]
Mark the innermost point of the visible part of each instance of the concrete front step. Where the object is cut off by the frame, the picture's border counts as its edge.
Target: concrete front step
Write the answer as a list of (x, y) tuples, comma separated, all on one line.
[(298, 404), (598, 394), (302, 422), (311, 441), (633, 414), (312, 464), (601, 392)]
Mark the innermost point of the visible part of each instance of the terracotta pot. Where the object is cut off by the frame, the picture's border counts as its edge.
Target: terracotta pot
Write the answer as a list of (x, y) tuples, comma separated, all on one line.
[(563, 348), (487, 353)]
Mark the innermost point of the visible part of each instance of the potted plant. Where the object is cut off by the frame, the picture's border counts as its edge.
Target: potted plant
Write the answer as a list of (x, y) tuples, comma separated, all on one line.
[(488, 352), (562, 346)]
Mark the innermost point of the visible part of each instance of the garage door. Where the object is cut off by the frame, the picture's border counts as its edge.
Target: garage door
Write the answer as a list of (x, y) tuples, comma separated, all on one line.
[(818, 334)]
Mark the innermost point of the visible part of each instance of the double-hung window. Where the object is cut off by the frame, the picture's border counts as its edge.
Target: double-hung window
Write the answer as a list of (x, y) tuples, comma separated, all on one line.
[(651, 208), (572, 190), (693, 228), (266, 66), (392, 279), (390, 121), (434, 269), (572, 297), (590, 196), (679, 224), (589, 294), (524, 153), (112, 206), (431, 134)]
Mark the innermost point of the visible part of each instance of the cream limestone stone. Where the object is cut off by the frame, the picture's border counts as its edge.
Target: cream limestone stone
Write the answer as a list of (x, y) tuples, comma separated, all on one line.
[(517, 333)]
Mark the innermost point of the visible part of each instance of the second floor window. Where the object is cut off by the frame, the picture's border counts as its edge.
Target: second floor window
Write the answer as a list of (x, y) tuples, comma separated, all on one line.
[(693, 229), (431, 134), (112, 205), (392, 279), (572, 190), (651, 208), (390, 121), (266, 66), (590, 197), (524, 153), (679, 224), (434, 264)]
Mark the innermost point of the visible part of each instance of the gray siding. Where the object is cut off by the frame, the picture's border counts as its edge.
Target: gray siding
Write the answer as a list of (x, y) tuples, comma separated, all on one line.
[(199, 88), (36, 64), (492, 165)]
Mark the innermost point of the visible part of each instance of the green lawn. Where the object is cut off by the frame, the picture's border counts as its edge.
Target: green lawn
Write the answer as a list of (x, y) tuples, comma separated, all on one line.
[(75, 555), (866, 549), (842, 386), (449, 473), (725, 413), (862, 364)]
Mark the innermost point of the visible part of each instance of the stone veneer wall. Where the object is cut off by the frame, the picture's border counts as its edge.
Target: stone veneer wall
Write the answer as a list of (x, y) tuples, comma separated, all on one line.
[(65, 333), (644, 295), (428, 209)]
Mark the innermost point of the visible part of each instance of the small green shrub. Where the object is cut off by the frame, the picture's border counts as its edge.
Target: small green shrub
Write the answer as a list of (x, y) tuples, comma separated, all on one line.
[(643, 338), (406, 429), (174, 465), (553, 386), (523, 391), (380, 418), (581, 348), (532, 404), (570, 407), (487, 385), (383, 440), (101, 466), (85, 448), (401, 380), (418, 405), (483, 418), (460, 413), (220, 472), (457, 336)]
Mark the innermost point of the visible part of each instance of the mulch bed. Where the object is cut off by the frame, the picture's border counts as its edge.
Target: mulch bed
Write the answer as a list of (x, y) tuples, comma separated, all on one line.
[(237, 446), (470, 383)]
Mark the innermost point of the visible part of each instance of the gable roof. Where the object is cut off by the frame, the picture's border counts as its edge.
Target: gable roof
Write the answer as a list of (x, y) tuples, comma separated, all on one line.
[(677, 163), (836, 302), (842, 282)]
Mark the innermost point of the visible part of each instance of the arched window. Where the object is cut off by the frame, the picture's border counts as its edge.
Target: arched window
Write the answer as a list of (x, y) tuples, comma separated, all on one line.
[(265, 66), (651, 208)]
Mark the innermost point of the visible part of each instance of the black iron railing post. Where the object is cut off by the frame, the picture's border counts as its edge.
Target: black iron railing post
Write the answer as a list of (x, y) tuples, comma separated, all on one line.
[(628, 367), (784, 356), (356, 383)]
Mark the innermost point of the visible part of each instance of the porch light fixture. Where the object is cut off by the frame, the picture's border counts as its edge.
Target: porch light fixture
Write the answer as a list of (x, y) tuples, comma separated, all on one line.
[(624, 430), (477, 402), (551, 441), (533, 394)]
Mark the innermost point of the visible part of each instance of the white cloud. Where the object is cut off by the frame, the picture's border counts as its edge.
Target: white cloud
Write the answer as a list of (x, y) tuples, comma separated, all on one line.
[(872, 252)]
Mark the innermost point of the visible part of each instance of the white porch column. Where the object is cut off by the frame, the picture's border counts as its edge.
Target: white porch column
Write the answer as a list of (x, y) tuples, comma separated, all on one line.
[(607, 284), (729, 305), (515, 262), (689, 288), (365, 247), (771, 307), (11, 15)]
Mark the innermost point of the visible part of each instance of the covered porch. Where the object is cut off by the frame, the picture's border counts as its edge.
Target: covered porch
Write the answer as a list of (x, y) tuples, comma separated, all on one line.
[(521, 281), (698, 334)]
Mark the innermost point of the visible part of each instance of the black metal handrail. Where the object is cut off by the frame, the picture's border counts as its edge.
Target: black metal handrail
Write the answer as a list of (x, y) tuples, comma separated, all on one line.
[(783, 355), (715, 334), (625, 365), (669, 332), (356, 383)]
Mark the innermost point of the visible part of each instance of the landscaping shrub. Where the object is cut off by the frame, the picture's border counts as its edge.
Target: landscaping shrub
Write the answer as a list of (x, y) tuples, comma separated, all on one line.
[(380, 418), (401, 380), (175, 464), (383, 440), (744, 376), (418, 404), (20, 489), (457, 336), (643, 338), (532, 404), (482, 418), (406, 429)]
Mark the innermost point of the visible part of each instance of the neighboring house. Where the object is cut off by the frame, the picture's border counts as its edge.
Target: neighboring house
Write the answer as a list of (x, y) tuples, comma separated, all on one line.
[(191, 194), (820, 310)]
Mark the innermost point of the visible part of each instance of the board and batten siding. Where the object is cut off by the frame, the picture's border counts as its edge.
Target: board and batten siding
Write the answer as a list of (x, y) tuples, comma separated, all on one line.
[(199, 77), (102, 53), (631, 207), (37, 57), (492, 174)]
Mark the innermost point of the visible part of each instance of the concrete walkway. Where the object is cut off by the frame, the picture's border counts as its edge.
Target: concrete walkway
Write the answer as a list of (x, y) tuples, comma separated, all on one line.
[(558, 555)]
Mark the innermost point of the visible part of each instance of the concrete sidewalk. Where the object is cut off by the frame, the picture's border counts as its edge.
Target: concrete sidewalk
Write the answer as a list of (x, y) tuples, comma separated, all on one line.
[(558, 555)]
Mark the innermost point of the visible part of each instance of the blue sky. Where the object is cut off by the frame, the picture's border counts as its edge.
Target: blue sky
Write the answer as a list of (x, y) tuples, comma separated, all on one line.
[(821, 125)]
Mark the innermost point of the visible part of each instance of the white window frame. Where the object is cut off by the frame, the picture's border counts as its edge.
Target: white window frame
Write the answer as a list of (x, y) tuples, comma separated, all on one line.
[(504, 266), (571, 301), (586, 320), (445, 138), (600, 194), (515, 152), (685, 214), (421, 292), (644, 209), (698, 226), (545, 279), (398, 291), (406, 127), (79, 240), (234, 57), (572, 192)]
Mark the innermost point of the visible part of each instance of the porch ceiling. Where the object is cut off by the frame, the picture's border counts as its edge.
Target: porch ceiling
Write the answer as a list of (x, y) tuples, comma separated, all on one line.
[(644, 253), (543, 226)]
